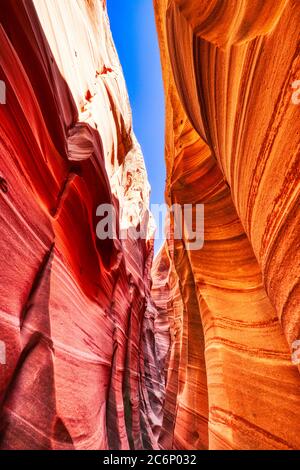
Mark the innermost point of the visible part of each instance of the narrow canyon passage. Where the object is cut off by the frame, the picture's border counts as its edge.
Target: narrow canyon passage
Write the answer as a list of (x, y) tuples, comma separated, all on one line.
[(103, 345)]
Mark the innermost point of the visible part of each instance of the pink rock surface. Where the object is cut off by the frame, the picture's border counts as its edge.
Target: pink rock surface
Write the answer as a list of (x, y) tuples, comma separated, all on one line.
[(106, 348), (75, 312)]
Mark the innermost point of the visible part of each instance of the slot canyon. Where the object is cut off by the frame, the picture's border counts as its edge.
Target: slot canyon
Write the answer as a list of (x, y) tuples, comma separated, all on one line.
[(106, 344)]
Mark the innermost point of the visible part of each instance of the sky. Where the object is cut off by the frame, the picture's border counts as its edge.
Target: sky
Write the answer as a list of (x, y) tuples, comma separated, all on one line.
[(133, 27)]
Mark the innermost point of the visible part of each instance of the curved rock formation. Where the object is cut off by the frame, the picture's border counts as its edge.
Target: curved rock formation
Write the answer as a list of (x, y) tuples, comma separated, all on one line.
[(232, 144), (98, 347), (75, 310)]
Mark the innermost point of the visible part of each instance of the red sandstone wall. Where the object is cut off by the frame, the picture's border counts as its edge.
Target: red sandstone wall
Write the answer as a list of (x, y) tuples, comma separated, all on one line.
[(95, 357), (75, 313)]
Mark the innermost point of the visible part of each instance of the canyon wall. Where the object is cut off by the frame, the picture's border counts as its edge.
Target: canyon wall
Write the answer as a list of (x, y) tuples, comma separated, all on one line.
[(100, 346), (76, 317), (232, 144)]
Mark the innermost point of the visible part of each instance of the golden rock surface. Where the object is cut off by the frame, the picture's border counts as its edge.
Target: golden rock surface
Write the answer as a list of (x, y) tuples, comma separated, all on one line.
[(232, 144)]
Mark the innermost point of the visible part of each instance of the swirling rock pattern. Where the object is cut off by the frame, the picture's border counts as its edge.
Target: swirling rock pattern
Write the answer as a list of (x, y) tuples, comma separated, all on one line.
[(75, 311), (98, 354), (232, 144)]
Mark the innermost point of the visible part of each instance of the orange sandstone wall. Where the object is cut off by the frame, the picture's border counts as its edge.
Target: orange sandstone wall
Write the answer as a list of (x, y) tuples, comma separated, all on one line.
[(232, 144)]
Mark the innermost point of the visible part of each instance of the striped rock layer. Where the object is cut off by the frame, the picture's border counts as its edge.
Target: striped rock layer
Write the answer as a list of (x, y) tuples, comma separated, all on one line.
[(232, 144), (76, 317), (97, 356)]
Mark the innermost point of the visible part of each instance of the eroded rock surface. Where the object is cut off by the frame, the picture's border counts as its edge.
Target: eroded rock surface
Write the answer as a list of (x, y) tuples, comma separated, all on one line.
[(232, 144), (95, 354)]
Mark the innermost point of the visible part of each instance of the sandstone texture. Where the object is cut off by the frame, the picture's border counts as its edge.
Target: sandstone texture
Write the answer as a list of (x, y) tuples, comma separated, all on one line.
[(232, 144), (102, 346)]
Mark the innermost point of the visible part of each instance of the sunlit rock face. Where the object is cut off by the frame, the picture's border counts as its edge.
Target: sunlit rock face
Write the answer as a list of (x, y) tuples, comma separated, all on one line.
[(76, 317), (232, 144), (95, 354)]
